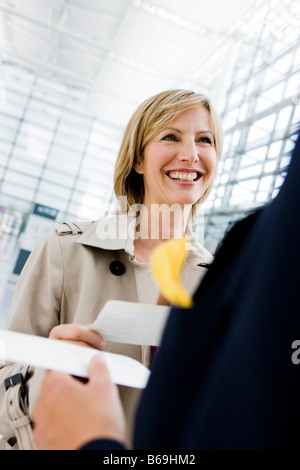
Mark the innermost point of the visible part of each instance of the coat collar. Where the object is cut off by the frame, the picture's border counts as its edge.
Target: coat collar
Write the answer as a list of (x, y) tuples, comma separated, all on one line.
[(113, 233), (117, 233)]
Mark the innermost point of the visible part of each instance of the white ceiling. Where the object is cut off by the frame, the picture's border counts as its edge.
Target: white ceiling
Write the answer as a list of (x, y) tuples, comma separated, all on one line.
[(122, 51)]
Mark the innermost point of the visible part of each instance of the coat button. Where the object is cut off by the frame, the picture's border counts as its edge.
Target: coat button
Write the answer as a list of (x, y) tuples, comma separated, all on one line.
[(117, 268)]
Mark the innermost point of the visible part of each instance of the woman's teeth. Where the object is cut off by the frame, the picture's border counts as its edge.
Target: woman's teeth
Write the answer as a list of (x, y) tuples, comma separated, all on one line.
[(178, 175)]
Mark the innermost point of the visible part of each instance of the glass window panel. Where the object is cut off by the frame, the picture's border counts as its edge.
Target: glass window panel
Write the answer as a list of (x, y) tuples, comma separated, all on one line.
[(236, 96), (258, 154), (275, 149), (66, 159), (246, 161), (279, 181), (283, 64), (8, 121), (51, 201), (37, 148), (240, 195), (102, 128), (217, 202), (62, 153), (104, 140), (42, 94), (93, 150), (229, 121), (262, 197), (58, 177), (5, 147), (224, 178), (221, 191), (243, 111), (37, 132), (87, 213), (95, 176), (285, 161), (293, 86), (54, 190), (233, 116), (90, 187), (275, 92), (275, 192), (226, 146), (270, 166), (70, 129), (51, 105), (296, 115), (68, 167), (283, 118), (254, 170), (235, 138), (97, 164), (263, 103), (53, 86), (76, 120), (252, 86), (34, 146), (250, 185), (228, 164), (17, 190), (289, 145), (105, 154), (8, 134), (91, 201), (22, 139), (13, 109), (20, 178), (265, 183), (22, 152), (16, 98), (266, 123), (3, 159), (68, 142), (25, 167), (261, 129)]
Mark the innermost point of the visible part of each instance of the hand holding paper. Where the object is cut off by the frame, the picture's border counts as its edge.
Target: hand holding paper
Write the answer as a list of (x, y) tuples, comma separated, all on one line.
[(69, 358)]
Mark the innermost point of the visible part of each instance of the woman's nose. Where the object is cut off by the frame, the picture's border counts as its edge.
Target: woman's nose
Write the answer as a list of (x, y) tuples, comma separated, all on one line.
[(189, 152)]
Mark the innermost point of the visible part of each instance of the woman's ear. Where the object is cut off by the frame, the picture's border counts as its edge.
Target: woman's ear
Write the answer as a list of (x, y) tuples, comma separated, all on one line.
[(138, 167)]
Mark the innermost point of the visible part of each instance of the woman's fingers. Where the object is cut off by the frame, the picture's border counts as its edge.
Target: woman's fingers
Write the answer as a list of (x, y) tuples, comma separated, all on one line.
[(78, 334)]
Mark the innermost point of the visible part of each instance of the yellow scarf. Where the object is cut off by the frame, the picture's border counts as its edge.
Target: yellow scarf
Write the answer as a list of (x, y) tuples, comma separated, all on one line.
[(167, 260)]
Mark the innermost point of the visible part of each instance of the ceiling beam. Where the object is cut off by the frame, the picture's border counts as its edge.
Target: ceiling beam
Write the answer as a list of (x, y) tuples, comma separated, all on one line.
[(55, 28)]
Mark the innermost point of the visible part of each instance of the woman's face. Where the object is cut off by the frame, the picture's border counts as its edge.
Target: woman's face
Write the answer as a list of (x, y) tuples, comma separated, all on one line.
[(179, 163)]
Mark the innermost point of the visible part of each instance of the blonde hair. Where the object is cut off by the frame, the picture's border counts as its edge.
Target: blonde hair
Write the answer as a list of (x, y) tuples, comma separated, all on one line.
[(150, 118)]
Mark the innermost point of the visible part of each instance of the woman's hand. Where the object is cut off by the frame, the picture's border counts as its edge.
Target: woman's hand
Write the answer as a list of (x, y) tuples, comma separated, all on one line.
[(81, 335)]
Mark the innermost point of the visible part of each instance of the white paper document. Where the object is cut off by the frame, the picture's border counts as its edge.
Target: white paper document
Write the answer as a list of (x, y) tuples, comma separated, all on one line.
[(69, 358), (132, 323)]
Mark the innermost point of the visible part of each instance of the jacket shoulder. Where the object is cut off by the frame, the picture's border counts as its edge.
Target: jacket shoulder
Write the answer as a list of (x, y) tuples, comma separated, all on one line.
[(71, 228), (200, 256)]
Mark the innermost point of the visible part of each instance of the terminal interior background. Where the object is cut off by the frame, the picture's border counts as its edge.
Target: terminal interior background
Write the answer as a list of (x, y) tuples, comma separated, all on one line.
[(73, 71)]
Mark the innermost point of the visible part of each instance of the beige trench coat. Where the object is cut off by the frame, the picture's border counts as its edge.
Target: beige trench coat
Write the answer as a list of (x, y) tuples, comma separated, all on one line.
[(68, 279)]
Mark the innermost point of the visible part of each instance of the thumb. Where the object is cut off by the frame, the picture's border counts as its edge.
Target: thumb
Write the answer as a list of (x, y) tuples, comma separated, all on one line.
[(97, 370)]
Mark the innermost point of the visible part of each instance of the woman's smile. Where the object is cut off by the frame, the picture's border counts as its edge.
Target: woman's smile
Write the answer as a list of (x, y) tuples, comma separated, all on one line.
[(184, 176)]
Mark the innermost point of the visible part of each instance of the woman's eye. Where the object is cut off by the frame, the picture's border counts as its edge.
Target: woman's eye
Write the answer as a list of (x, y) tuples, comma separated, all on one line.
[(171, 137), (205, 140)]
